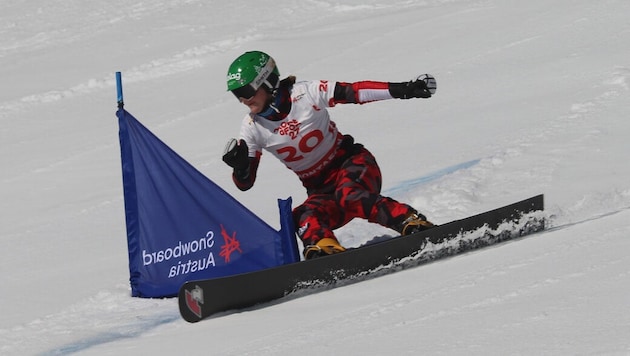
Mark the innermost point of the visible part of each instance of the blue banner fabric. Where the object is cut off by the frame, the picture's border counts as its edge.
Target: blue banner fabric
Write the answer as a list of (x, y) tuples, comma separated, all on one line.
[(181, 226)]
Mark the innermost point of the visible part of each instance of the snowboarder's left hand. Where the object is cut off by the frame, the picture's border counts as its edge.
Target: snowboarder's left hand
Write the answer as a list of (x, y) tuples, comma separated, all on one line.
[(424, 86)]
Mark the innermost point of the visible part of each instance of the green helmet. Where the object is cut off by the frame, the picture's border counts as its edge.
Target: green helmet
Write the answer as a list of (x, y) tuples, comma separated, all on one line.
[(250, 71)]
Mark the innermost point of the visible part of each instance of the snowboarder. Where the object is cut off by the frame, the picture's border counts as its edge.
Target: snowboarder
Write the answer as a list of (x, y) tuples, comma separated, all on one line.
[(289, 119)]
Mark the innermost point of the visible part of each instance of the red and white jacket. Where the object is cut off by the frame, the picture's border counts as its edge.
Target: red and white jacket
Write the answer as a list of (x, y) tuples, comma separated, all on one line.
[(306, 140)]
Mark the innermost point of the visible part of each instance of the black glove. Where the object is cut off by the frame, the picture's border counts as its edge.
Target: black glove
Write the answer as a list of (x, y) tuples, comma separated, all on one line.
[(422, 87), (236, 155)]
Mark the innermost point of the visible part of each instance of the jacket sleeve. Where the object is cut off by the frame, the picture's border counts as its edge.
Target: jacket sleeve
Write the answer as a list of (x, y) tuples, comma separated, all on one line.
[(361, 92)]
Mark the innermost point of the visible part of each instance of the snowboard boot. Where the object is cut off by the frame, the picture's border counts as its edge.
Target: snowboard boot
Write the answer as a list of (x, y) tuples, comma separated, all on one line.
[(323, 247), (415, 223)]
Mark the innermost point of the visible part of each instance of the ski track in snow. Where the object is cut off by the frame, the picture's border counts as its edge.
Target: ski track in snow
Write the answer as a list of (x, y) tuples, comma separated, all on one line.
[(576, 131), (107, 317), (188, 60)]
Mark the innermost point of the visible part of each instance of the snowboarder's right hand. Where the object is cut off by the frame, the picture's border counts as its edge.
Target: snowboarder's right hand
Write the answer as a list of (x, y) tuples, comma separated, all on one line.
[(423, 86), (235, 154)]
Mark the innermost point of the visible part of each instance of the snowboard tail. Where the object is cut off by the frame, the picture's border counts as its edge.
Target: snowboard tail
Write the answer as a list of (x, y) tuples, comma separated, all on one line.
[(203, 298)]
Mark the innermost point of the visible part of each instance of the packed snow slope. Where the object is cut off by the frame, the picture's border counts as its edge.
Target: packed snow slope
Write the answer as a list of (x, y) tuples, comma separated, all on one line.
[(533, 97)]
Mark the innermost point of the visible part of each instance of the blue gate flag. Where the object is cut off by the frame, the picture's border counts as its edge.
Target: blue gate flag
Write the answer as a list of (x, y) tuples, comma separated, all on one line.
[(181, 226)]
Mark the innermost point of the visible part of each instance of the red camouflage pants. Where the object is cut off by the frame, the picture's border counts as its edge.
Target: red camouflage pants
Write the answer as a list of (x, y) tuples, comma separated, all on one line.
[(350, 190)]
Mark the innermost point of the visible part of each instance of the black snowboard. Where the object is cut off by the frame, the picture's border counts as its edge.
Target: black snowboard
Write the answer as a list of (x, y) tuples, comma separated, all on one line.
[(203, 298)]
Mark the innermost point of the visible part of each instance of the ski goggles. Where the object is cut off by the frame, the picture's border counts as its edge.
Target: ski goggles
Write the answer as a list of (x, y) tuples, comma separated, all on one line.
[(245, 92)]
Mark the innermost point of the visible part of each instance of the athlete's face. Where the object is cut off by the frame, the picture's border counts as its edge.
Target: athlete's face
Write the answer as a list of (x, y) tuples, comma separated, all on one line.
[(257, 103)]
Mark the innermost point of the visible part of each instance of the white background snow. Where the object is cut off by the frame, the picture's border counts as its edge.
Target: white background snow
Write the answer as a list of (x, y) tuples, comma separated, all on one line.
[(533, 97)]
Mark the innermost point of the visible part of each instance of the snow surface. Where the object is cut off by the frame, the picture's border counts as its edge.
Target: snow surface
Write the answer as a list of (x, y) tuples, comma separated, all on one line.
[(532, 98)]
